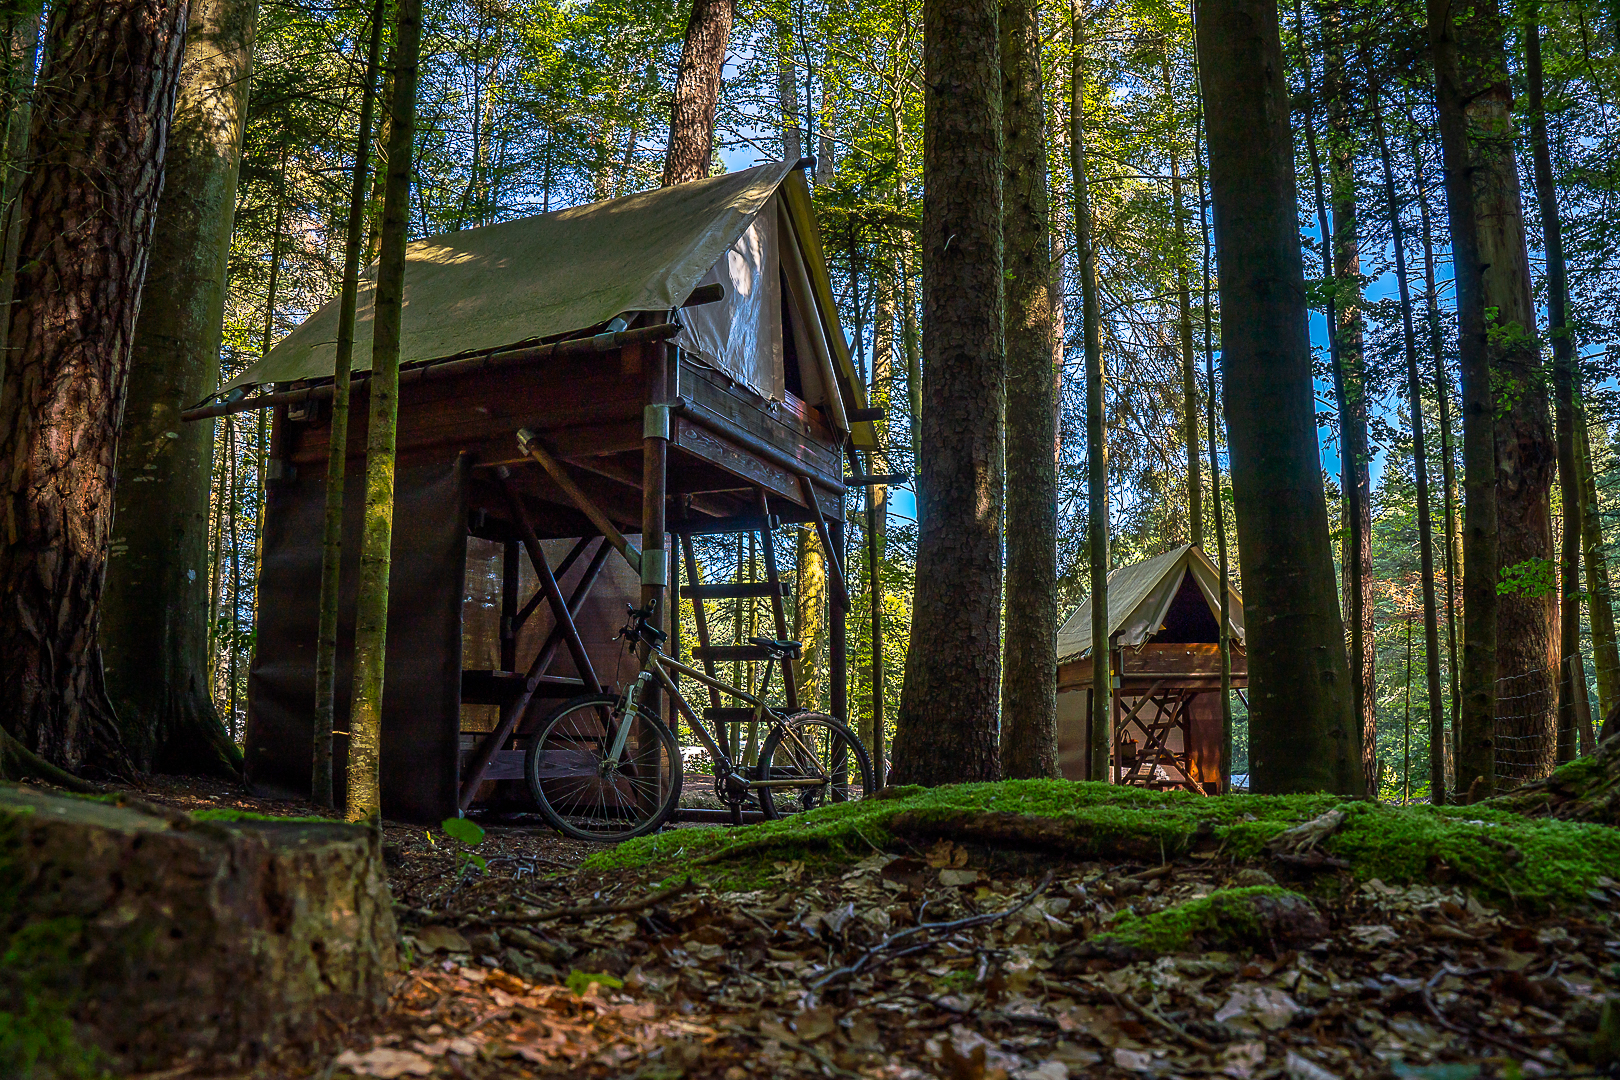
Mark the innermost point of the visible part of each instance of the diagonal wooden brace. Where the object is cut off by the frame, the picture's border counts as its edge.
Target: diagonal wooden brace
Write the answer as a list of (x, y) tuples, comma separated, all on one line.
[(512, 715), (529, 443), (790, 683), (548, 582), (809, 492)]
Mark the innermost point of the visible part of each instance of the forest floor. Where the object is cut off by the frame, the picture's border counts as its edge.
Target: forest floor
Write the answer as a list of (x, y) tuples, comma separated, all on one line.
[(730, 954)]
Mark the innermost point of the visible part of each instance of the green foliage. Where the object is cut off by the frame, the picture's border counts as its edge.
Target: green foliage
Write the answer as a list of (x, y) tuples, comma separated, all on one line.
[(469, 835), (1533, 862), (1530, 578), (580, 981)]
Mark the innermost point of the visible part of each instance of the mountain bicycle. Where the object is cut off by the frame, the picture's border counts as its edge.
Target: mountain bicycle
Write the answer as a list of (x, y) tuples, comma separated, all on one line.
[(607, 768)]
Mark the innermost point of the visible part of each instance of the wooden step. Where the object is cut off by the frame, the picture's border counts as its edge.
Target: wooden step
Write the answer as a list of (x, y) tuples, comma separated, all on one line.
[(731, 591), (722, 653)]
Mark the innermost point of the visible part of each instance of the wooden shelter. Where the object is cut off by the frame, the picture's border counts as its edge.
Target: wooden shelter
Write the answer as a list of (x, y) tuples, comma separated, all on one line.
[(1164, 649), (580, 393)]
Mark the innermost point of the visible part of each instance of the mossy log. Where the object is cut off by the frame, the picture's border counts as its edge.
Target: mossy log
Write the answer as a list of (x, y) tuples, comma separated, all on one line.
[(1586, 789), (1228, 919), (136, 938)]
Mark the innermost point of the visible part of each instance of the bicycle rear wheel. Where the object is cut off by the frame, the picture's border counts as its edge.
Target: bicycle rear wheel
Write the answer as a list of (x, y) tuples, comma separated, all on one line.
[(809, 747), (587, 797)]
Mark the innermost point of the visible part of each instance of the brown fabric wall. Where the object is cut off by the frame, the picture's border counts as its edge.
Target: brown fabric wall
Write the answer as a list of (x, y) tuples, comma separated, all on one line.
[(422, 673)]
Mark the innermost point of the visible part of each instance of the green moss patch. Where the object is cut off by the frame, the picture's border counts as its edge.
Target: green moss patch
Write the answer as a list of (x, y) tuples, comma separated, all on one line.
[(1534, 862), (1227, 920)]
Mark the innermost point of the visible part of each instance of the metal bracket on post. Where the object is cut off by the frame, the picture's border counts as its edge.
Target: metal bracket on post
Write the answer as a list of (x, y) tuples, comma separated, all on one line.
[(655, 422), (655, 567)]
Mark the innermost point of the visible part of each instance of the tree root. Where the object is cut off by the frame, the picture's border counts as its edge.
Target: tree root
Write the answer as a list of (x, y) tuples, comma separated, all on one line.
[(18, 763)]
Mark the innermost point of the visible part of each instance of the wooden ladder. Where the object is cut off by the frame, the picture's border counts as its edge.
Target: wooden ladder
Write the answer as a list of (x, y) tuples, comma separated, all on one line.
[(727, 719)]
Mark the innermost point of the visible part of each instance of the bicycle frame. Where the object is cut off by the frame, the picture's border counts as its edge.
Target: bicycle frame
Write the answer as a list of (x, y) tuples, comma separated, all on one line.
[(656, 666)]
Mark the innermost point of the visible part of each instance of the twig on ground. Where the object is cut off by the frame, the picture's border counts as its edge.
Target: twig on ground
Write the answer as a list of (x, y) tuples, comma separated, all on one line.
[(1125, 1001), (892, 948), (624, 908), (1472, 1033)]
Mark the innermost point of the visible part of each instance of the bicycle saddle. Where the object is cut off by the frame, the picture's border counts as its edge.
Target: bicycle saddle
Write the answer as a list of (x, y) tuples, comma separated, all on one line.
[(777, 648)]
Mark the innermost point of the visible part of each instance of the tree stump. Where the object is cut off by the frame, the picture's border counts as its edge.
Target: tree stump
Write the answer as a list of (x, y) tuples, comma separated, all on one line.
[(133, 937)]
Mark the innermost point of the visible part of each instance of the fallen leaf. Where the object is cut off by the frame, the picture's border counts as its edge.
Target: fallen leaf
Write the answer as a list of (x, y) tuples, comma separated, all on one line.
[(1239, 1060), (1134, 1060), (1298, 1067), (441, 939), (1372, 936), (1252, 1004), (956, 878), (384, 1063)]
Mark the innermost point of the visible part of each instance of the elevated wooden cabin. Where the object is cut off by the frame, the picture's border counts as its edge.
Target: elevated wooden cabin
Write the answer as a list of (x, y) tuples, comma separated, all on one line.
[(675, 363), (1164, 653)]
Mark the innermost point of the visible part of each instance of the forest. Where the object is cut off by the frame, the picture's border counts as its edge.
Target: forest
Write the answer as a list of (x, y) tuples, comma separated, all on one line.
[(959, 539)]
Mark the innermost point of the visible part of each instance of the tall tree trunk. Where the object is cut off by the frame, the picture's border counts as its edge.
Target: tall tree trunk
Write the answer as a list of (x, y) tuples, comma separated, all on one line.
[(1189, 372), (1355, 456), (1100, 742), (1442, 393), (1500, 364), (1420, 465), (1029, 669), (1566, 377), (371, 607), (1606, 657), (154, 626), (810, 622), (1217, 503), (1460, 80), (337, 451), (697, 91), (946, 727), (787, 93), (877, 509), (19, 37), (101, 119), (1302, 734)]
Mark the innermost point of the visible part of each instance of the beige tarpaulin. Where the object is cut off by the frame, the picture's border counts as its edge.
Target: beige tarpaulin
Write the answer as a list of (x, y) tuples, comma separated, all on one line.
[(1140, 594), (742, 334), (539, 277)]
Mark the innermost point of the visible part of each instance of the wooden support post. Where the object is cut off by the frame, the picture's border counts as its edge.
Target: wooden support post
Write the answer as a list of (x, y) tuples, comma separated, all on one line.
[(512, 715), (790, 685), (654, 563), (511, 566), (837, 612), (548, 583)]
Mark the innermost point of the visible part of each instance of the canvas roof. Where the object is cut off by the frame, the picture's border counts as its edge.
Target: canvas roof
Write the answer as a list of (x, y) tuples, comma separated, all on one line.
[(1139, 595), (543, 277)]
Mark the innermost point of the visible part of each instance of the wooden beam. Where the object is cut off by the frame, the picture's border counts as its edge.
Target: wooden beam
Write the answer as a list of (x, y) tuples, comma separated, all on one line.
[(697, 594), (790, 683)]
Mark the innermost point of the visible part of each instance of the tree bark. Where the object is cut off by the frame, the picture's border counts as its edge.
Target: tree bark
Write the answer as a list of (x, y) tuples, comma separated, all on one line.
[(101, 118), (1420, 464), (371, 607), (946, 727), (1442, 393), (787, 93), (1507, 450), (154, 627), (697, 91), (1097, 524), (1355, 455), (19, 37), (1566, 392), (337, 454), (1189, 372), (810, 622), (1302, 734), (1606, 656), (1029, 670)]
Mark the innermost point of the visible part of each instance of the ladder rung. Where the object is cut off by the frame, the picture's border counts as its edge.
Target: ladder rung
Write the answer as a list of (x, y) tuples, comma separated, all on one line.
[(728, 715), (733, 591), (728, 652)]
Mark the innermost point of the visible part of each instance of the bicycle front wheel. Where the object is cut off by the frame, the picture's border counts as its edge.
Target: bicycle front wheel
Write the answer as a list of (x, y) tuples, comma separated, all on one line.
[(811, 760), (587, 796)]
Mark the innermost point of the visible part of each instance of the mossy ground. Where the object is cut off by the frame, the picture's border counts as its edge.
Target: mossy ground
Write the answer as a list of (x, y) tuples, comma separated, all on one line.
[(1224, 919), (1532, 862)]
